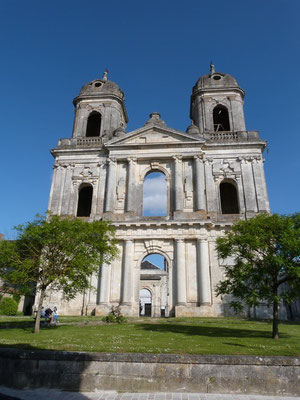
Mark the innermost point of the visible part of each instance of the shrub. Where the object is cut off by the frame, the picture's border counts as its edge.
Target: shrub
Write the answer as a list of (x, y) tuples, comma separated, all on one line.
[(16, 297), (8, 306), (115, 316)]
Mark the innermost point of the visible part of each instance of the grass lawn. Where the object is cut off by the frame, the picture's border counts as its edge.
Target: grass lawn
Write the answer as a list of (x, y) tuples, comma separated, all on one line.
[(173, 335)]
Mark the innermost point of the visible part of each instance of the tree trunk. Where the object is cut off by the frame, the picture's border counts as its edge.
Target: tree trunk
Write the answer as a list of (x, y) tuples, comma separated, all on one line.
[(38, 315), (275, 333)]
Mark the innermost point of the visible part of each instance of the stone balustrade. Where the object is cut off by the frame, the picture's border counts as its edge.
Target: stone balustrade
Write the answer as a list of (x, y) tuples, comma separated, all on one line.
[(80, 142), (232, 136)]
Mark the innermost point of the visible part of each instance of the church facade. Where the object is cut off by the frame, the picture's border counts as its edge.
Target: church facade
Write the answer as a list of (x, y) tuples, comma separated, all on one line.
[(214, 175)]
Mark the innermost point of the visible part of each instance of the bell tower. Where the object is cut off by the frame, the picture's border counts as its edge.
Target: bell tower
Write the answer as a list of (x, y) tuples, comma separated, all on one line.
[(217, 103), (100, 110)]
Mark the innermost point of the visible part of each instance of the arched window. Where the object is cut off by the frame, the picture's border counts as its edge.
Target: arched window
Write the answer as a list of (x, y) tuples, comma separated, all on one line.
[(229, 198), (93, 124), (221, 119), (154, 261), (155, 194), (85, 200)]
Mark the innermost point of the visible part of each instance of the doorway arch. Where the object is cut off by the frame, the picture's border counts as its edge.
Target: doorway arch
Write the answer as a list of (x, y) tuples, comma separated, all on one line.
[(145, 303), (155, 277)]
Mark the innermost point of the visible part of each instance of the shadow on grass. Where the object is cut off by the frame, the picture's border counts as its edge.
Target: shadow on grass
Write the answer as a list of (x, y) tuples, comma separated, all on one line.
[(209, 331), (26, 325)]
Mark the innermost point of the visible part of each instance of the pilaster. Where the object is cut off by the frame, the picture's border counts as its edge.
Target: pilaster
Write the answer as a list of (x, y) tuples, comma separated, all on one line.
[(111, 185), (248, 183), (178, 183), (131, 185)]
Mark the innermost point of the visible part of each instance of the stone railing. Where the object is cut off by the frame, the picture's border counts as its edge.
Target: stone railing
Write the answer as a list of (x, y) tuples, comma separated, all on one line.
[(80, 142), (232, 136)]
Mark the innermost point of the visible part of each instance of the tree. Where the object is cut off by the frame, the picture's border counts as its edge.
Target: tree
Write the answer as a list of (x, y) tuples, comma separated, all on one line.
[(56, 253), (266, 267)]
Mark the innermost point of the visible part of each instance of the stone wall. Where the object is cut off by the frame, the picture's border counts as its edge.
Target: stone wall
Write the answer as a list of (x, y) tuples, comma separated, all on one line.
[(149, 372)]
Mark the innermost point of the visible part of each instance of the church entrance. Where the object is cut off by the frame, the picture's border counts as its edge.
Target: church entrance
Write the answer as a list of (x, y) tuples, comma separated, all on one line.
[(145, 303), (154, 286)]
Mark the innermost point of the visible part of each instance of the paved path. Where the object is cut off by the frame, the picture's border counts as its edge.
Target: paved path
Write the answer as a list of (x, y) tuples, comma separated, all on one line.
[(50, 394)]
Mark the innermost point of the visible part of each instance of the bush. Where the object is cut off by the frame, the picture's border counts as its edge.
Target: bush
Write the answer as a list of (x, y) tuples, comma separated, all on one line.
[(16, 297), (115, 316), (8, 306)]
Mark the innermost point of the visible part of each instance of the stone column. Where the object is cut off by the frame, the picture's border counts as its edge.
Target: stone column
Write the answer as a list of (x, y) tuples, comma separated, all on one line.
[(111, 185), (131, 194), (104, 284), (180, 272), (67, 190), (62, 186), (127, 272), (211, 193), (240, 193), (51, 205), (203, 270), (199, 183), (260, 184), (248, 183), (178, 183)]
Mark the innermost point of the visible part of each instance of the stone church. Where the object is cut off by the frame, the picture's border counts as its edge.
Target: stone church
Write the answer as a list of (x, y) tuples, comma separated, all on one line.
[(214, 174)]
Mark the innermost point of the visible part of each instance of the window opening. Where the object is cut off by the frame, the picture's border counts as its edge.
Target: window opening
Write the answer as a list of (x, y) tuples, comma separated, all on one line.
[(154, 261), (221, 119), (85, 201), (155, 194), (229, 198), (93, 125)]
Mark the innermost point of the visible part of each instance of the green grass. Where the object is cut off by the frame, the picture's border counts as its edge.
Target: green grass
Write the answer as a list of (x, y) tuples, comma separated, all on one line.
[(173, 335)]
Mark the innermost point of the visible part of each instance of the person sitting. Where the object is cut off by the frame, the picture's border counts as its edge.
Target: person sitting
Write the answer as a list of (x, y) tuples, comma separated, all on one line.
[(48, 314), (55, 315)]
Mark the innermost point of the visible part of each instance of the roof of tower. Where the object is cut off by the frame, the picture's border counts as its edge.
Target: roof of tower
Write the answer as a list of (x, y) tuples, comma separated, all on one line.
[(215, 80), (100, 87)]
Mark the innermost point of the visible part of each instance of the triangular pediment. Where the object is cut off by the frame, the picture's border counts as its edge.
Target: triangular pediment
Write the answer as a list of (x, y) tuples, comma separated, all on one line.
[(153, 135)]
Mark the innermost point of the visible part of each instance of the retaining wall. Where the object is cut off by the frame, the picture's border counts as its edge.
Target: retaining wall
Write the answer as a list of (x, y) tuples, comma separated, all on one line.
[(149, 372)]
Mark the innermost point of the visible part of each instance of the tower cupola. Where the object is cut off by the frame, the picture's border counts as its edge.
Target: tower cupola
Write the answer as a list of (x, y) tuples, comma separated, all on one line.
[(99, 110), (217, 103)]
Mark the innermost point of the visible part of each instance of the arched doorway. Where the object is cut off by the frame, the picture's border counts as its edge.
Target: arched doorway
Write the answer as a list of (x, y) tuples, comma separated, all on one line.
[(145, 303), (154, 275)]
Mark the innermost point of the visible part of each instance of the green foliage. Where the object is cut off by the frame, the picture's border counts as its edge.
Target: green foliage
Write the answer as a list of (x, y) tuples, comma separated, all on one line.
[(57, 253), (8, 306), (61, 253), (16, 297), (115, 316), (266, 253)]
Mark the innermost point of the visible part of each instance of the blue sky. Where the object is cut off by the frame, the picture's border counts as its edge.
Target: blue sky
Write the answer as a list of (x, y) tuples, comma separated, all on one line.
[(155, 51)]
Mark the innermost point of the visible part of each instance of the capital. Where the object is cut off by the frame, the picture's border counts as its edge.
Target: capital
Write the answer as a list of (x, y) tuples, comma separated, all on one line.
[(177, 159)]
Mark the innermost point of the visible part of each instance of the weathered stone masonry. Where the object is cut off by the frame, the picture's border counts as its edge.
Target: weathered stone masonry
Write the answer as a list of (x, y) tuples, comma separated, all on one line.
[(214, 174)]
